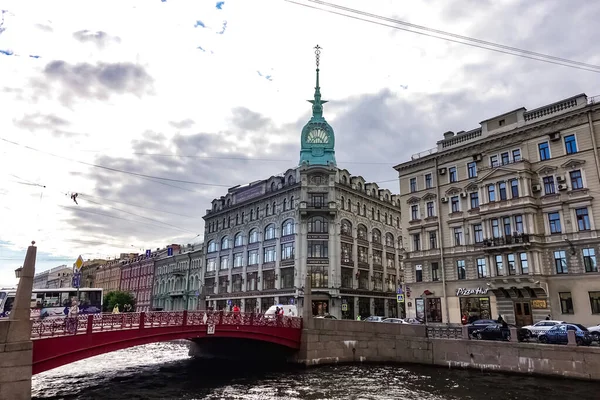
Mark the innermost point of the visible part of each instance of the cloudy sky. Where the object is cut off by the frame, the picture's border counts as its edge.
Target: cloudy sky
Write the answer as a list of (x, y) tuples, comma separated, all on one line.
[(101, 98)]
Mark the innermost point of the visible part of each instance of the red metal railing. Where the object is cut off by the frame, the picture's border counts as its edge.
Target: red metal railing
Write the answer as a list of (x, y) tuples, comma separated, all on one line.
[(91, 323)]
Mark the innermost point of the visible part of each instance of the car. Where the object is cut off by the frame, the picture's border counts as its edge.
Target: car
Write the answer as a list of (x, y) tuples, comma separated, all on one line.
[(328, 316), (374, 318), (412, 321), (558, 334), (499, 332), (540, 327), (394, 321), (479, 324), (595, 332)]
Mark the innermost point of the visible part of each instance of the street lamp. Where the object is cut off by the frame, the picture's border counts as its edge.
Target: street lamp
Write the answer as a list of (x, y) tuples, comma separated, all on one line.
[(18, 272)]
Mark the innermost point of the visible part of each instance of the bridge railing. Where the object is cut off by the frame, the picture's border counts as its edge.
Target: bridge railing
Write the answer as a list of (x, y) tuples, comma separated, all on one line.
[(92, 323)]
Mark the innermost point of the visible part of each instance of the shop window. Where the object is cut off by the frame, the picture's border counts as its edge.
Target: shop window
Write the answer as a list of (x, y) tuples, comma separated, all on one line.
[(474, 308), (379, 307), (429, 310), (566, 303)]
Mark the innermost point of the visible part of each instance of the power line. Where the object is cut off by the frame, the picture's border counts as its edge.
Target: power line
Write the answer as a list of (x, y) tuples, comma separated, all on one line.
[(498, 49)]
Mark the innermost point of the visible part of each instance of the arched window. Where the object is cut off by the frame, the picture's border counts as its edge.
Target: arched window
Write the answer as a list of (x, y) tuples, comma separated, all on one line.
[(287, 228), (397, 222), (373, 213), (291, 180), (266, 209), (346, 228), (251, 214), (237, 219), (318, 225), (358, 207), (378, 216), (273, 187), (343, 202), (269, 232), (374, 192), (228, 202), (225, 243), (349, 205), (238, 239), (361, 232), (344, 180), (389, 239), (292, 203), (274, 208), (376, 236), (253, 236), (360, 186), (242, 218), (364, 210), (212, 246)]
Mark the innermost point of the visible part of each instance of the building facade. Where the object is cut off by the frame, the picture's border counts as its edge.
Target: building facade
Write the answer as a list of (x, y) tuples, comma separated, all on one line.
[(40, 280), (264, 238), (501, 219), (108, 276), (59, 277), (178, 279), (88, 272)]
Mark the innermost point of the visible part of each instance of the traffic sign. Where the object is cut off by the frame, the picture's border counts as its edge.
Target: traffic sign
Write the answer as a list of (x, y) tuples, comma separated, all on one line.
[(77, 280), (345, 307), (400, 298), (79, 263)]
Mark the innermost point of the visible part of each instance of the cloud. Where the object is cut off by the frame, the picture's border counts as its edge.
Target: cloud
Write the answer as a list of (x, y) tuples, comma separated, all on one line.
[(183, 124), (222, 31), (99, 38), (44, 27), (92, 81), (199, 24), (46, 122), (220, 5), (7, 52)]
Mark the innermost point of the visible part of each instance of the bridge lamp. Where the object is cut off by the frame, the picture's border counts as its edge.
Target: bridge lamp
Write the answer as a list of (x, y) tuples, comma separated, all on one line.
[(18, 272)]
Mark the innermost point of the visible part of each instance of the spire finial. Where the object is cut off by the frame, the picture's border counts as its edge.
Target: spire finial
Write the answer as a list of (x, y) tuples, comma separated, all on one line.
[(317, 102), (317, 54)]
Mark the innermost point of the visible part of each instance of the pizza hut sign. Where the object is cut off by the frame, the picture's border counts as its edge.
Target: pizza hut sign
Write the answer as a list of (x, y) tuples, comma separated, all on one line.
[(469, 292)]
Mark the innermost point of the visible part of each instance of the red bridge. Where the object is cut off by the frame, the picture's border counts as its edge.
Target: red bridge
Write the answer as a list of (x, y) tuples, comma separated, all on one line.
[(60, 341)]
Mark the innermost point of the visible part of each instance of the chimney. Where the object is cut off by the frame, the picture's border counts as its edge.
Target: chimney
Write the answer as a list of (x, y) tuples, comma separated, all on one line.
[(448, 135)]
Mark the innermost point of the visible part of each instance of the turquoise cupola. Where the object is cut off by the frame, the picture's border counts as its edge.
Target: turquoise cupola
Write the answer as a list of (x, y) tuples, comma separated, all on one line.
[(317, 145)]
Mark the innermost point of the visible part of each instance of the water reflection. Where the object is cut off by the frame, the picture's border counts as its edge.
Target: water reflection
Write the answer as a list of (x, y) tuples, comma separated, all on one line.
[(164, 371)]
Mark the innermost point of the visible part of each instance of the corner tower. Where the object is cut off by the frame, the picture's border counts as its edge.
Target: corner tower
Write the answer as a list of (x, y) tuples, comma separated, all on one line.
[(317, 146)]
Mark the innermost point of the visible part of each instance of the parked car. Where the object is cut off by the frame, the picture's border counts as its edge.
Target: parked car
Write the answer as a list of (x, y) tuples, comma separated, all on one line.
[(558, 334), (540, 327), (328, 316), (413, 321), (479, 324), (374, 318), (595, 332), (394, 321), (499, 332)]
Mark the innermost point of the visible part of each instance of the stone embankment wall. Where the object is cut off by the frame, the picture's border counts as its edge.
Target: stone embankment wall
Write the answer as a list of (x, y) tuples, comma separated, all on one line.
[(335, 341), (15, 360)]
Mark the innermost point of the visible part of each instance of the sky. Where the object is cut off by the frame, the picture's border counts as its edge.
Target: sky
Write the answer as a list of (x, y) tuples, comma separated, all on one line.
[(102, 98)]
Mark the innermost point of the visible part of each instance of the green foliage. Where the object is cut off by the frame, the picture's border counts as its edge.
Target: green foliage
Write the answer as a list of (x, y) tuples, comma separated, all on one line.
[(118, 297)]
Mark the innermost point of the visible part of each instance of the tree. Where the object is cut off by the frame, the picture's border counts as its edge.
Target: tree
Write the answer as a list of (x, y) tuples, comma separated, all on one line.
[(118, 297)]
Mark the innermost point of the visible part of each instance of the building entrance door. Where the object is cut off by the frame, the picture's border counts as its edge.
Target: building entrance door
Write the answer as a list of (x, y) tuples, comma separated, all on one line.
[(523, 313)]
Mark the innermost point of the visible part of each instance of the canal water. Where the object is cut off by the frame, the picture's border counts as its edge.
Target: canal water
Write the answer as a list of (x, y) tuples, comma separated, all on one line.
[(164, 371)]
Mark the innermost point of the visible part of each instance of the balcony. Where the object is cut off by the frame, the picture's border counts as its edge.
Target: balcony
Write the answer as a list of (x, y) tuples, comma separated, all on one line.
[(307, 208), (503, 205), (509, 241)]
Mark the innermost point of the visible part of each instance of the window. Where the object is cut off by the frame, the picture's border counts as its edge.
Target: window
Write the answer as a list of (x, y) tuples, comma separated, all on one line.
[(478, 233), (284, 205), (211, 264), (252, 215), (318, 249), (253, 236), (318, 225), (267, 209), (224, 262), (287, 228), (595, 302), (416, 242), (430, 211), (514, 188), (495, 228), (554, 222), (389, 240), (524, 263), (502, 190), (566, 302), (544, 151), (252, 257), (549, 185), (413, 185), (560, 261), (269, 279), (317, 200), (238, 260), (494, 161), (506, 224), (458, 236), (251, 281), (570, 144), (516, 154), (270, 232), (455, 203), (287, 278), (212, 246), (474, 199), (583, 219), (361, 232), (414, 212), (505, 158), (472, 169), (461, 271), (576, 180), (362, 254), (292, 203), (519, 224), (373, 214), (238, 239), (512, 267), (491, 193), (589, 260), (501, 122), (376, 236), (319, 276), (499, 265), (481, 268), (269, 254), (428, 181), (435, 267), (419, 273), (433, 240), (452, 174)]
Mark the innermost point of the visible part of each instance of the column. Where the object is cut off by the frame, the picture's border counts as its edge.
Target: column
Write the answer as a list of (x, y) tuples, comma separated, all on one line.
[(278, 256), (354, 256)]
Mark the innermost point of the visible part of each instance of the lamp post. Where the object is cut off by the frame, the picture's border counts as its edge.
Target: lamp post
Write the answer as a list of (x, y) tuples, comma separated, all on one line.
[(18, 272)]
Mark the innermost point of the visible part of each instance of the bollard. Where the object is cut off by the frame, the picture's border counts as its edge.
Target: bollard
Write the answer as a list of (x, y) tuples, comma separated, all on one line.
[(465, 333), (571, 338), (513, 335)]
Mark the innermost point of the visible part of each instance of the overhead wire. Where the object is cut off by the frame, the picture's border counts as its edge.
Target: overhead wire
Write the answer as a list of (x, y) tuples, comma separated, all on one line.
[(498, 48)]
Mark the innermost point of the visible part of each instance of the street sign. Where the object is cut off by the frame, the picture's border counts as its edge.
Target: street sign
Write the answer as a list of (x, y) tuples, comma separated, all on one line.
[(399, 291), (77, 280), (345, 307), (79, 263), (400, 298)]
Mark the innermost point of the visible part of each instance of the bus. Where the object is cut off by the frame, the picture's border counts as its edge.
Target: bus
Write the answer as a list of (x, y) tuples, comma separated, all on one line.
[(54, 302)]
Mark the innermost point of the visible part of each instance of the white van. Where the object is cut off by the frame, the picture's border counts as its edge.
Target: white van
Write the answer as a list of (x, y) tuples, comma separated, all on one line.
[(288, 310)]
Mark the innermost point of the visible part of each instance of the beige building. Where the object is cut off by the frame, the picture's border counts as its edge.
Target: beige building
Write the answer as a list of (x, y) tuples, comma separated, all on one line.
[(108, 276), (501, 219)]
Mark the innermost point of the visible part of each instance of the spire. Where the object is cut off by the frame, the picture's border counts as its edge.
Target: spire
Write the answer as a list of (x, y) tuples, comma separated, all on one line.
[(317, 102)]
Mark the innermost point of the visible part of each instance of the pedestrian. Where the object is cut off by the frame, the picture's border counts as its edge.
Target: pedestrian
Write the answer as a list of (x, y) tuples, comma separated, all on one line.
[(548, 317), (116, 309), (236, 309)]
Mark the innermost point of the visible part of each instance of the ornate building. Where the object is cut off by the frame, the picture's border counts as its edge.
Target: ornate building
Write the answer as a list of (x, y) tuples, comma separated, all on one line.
[(108, 276), (501, 219), (137, 275), (264, 238)]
